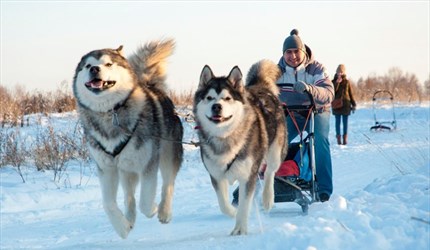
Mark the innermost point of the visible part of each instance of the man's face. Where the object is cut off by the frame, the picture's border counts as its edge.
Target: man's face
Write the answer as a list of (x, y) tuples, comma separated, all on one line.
[(294, 57)]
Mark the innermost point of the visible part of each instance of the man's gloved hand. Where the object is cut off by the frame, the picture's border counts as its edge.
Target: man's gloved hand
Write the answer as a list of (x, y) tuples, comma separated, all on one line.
[(301, 87), (353, 108)]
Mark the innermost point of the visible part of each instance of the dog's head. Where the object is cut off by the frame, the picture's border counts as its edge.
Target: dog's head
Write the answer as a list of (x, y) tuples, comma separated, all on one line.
[(102, 79), (219, 101)]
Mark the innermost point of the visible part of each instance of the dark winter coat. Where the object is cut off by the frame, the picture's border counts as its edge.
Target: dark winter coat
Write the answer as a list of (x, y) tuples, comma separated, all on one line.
[(348, 98)]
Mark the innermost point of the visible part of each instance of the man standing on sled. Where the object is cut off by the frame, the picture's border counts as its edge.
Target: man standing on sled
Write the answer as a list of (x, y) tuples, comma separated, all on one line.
[(307, 75)]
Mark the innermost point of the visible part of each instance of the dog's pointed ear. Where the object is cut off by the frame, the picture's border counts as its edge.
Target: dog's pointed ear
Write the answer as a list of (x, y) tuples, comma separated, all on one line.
[(120, 51), (235, 78), (205, 76)]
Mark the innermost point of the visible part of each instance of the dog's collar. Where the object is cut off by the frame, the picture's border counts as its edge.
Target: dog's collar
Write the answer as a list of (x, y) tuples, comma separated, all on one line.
[(119, 105)]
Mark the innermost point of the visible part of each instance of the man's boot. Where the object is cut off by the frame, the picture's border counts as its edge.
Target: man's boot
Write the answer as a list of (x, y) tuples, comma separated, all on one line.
[(345, 139), (338, 140)]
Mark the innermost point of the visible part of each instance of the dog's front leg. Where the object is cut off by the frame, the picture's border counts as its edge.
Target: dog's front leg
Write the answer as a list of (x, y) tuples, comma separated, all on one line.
[(148, 188), (109, 184), (268, 191), (168, 171), (273, 163), (246, 196), (129, 182), (221, 189)]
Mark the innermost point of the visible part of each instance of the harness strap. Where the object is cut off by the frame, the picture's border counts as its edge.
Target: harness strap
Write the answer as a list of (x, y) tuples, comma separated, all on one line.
[(231, 163), (293, 118), (117, 150), (115, 121)]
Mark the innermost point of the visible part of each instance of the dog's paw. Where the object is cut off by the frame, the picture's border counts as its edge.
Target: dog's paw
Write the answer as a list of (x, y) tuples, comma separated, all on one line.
[(268, 200), (131, 216), (268, 205), (239, 230), (119, 222), (164, 216), (123, 228)]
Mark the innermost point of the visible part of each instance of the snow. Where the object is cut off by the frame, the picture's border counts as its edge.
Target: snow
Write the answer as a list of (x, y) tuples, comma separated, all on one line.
[(381, 199)]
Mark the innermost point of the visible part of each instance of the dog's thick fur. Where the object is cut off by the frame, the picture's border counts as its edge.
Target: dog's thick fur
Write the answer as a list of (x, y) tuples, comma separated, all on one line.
[(239, 127), (131, 128)]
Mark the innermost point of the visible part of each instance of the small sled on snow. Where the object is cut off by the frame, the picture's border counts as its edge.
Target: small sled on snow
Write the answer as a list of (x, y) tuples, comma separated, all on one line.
[(295, 181), (383, 98)]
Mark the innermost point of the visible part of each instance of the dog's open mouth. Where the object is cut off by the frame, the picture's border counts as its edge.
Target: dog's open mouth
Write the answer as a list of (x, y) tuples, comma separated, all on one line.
[(97, 84), (219, 119)]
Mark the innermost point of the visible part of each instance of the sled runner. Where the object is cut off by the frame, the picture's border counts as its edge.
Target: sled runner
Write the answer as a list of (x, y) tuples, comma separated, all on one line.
[(295, 180), (383, 98)]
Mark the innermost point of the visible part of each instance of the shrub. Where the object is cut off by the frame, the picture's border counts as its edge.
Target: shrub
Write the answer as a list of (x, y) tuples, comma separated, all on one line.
[(52, 151), (13, 150)]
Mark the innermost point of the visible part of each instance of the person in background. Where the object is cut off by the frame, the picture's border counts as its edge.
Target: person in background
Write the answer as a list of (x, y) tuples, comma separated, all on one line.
[(343, 91), (307, 75)]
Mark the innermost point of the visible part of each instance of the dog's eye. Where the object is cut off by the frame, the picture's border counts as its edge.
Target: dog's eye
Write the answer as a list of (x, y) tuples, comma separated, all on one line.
[(228, 98), (88, 66), (209, 98), (108, 64)]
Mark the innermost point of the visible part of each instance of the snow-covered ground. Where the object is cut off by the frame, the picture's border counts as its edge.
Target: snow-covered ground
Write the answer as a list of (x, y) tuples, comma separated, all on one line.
[(381, 200)]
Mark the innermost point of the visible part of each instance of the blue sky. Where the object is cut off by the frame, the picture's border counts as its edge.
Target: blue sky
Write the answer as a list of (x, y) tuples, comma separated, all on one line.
[(43, 41)]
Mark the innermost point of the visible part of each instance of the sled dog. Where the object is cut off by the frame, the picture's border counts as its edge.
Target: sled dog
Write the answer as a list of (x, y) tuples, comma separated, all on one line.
[(131, 128), (239, 128)]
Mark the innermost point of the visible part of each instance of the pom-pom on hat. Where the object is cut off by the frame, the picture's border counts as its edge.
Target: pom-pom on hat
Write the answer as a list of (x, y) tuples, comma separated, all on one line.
[(341, 69), (293, 41)]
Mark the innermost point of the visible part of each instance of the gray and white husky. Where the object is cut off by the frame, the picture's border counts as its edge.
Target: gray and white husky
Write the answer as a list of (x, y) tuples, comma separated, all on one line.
[(239, 128), (131, 128)]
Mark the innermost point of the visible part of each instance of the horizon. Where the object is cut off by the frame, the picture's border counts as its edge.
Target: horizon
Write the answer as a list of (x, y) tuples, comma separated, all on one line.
[(370, 38)]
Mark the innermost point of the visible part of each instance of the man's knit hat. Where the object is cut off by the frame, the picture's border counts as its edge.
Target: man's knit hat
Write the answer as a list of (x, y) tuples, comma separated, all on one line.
[(341, 69), (293, 41)]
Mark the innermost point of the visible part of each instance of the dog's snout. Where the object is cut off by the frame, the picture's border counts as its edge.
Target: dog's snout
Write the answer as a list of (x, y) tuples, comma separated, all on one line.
[(216, 108), (94, 69)]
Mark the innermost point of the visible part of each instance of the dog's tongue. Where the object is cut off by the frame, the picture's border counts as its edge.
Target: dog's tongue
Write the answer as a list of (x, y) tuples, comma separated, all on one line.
[(95, 84), (216, 117)]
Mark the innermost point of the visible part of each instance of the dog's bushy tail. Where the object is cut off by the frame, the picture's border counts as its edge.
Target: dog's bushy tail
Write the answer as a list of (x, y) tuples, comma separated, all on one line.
[(266, 73), (149, 62)]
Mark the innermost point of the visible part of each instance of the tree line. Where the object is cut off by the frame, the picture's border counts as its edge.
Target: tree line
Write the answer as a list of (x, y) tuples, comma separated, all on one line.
[(52, 150), (404, 87), (17, 103)]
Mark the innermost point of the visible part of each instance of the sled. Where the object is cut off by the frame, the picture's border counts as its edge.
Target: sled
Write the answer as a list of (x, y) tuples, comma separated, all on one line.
[(300, 187), (295, 181), (383, 98)]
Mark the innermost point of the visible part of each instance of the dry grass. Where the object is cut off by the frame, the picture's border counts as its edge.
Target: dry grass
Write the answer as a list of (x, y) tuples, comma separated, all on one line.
[(45, 149)]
